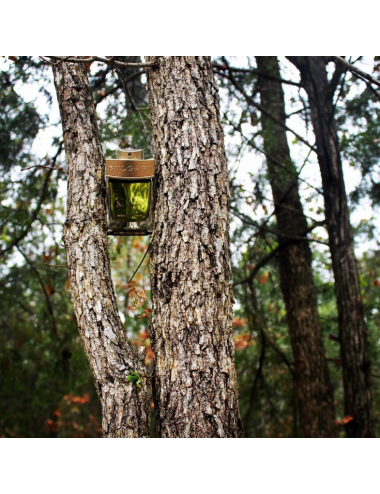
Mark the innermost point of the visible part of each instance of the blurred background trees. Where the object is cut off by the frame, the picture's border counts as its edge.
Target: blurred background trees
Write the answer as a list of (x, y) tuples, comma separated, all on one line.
[(288, 332)]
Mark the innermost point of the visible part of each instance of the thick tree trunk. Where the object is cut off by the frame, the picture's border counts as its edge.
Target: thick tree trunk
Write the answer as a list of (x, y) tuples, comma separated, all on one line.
[(352, 327), (315, 394), (125, 408), (195, 389)]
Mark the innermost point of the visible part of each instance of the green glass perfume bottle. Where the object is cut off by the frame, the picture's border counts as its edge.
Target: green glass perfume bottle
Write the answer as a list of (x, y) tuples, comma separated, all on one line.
[(130, 201), (130, 182)]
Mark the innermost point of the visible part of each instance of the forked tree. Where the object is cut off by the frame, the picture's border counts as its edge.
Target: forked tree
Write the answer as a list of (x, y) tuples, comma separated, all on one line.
[(353, 332), (194, 379), (314, 389)]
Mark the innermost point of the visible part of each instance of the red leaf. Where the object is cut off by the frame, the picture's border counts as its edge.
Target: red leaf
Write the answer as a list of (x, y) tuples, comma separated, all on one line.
[(347, 419)]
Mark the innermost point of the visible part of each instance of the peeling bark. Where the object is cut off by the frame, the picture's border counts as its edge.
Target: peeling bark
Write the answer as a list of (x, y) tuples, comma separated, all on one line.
[(353, 332), (314, 389), (195, 390), (125, 408)]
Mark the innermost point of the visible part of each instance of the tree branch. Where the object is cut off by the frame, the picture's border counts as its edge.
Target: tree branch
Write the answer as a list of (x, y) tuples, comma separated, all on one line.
[(264, 332), (255, 224), (128, 96), (35, 213), (109, 61), (41, 282), (275, 161), (355, 70), (221, 67), (264, 260), (252, 102)]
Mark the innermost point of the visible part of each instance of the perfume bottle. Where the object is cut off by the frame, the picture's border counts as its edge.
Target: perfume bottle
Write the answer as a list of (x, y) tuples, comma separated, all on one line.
[(130, 193)]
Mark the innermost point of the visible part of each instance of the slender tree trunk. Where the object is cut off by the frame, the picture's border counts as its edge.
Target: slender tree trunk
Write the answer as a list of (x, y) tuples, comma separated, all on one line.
[(125, 407), (195, 389), (352, 327), (315, 394)]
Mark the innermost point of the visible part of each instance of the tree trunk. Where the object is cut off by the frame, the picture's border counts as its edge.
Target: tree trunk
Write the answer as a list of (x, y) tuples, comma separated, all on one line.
[(315, 394), (195, 390), (125, 407), (352, 327)]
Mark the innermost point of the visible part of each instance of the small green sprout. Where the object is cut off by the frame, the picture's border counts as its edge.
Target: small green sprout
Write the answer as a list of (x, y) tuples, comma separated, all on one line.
[(134, 377)]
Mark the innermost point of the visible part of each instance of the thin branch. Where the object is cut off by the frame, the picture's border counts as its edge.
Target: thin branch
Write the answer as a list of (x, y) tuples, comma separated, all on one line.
[(258, 322), (35, 213), (221, 67), (275, 161), (41, 282), (264, 260), (284, 206), (134, 107), (109, 61), (252, 102), (138, 267), (46, 167), (335, 80), (279, 352), (369, 85), (63, 59), (303, 109), (255, 224), (264, 332), (357, 71), (287, 192), (104, 94), (256, 380)]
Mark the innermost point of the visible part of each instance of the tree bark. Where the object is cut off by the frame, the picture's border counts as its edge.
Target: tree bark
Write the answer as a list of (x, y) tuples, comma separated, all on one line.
[(195, 390), (125, 407), (315, 394), (353, 331)]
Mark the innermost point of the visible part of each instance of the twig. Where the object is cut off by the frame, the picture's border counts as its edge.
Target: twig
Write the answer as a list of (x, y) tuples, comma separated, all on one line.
[(63, 59), (47, 167), (287, 192), (35, 213), (109, 61), (115, 87), (264, 111), (40, 280), (264, 260), (275, 161), (279, 352), (264, 332), (256, 380), (142, 260), (57, 265), (254, 71), (255, 224), (357, 71), (134, 107)]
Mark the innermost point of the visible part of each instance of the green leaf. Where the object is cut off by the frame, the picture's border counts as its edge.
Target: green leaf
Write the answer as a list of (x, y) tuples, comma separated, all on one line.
[(134, 377)]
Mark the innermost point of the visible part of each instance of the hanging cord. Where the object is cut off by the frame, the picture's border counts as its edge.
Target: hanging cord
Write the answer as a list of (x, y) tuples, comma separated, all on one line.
[(142, 260)]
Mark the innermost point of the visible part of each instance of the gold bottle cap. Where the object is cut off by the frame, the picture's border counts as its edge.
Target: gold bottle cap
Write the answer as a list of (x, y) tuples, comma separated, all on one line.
[(130, 154), (129, 164)]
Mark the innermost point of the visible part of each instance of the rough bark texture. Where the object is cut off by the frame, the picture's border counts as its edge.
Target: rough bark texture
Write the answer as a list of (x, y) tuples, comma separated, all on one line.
[(195, 389), (315, 394), (125, 408), (352, 327)]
